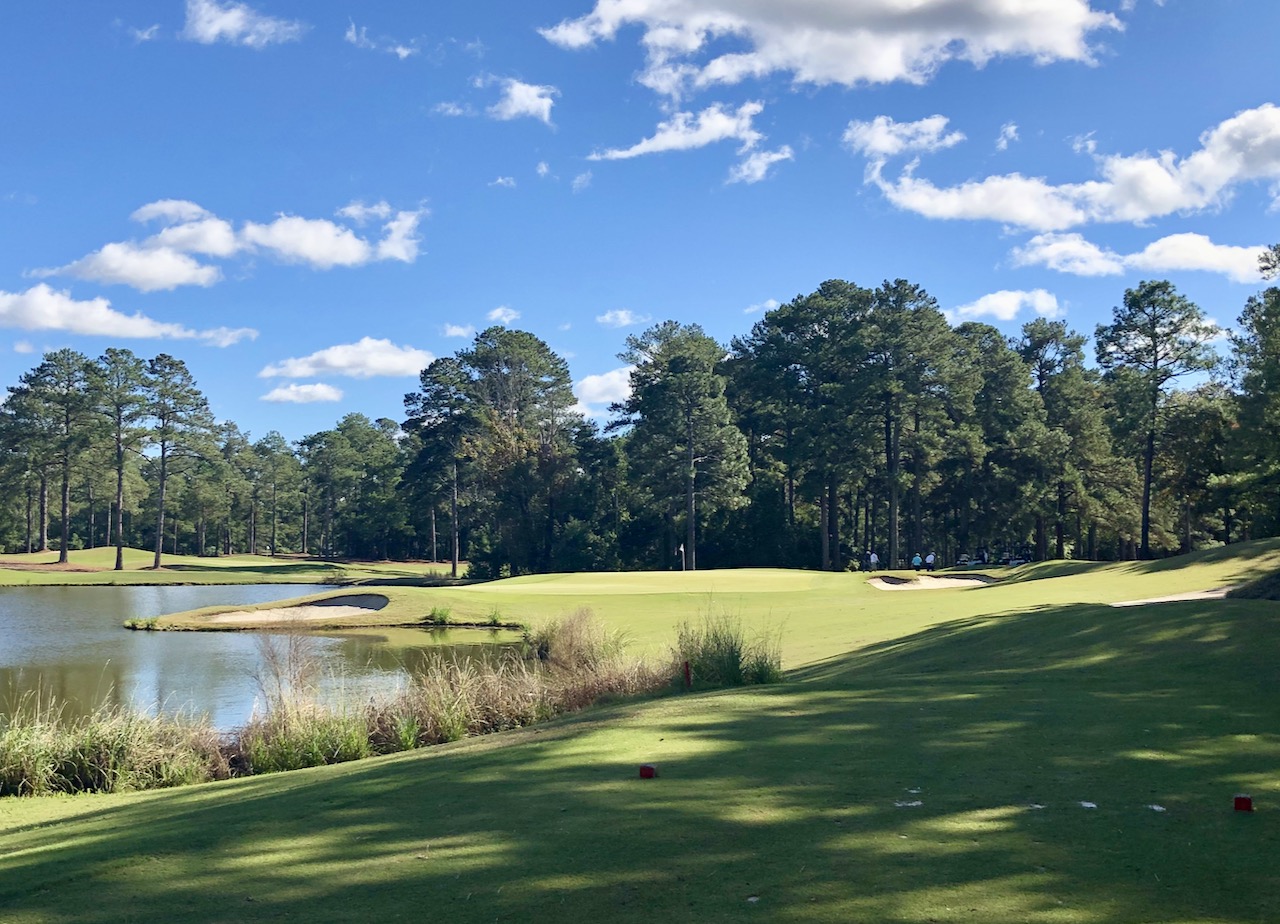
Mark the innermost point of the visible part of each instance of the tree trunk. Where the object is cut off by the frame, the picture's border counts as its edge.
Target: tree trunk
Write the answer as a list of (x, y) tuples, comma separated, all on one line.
[(892, 436), (30, 501), (434, 557), (89, 491), (690, 509), (823, 515), (63, 552), (44, 511), (164, 477), (1147, 462), (453, 518), (833, 521), (1059, 524)]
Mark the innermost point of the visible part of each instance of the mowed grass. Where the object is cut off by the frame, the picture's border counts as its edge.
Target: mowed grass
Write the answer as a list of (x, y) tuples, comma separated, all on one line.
[(94, 566), (819, 614), (999, 711)]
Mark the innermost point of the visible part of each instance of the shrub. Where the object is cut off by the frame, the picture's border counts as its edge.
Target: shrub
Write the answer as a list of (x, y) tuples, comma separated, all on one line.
[(720, 655)]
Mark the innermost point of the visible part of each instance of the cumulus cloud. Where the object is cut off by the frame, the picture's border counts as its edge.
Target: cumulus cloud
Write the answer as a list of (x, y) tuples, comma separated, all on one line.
[(1006, 305), (685, 131), (1008, 135), (596, 392), (457, 330), (504, 182), (1130, 188), (543, 169), (524, 100), (147, 269), (1072, 253), (692, 44), (361, 360), (163, 261), (451, 109), (44, 308), (885, 137), (209, 22), (582, 181), (621, 317), (293, 393), (503, 315)]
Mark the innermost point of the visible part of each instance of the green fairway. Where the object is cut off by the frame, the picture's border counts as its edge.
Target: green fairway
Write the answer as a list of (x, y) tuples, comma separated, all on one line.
[(928, 760), (93, 566)]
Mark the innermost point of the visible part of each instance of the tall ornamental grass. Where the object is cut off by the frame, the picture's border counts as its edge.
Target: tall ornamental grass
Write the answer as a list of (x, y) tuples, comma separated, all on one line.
[(562, 667)]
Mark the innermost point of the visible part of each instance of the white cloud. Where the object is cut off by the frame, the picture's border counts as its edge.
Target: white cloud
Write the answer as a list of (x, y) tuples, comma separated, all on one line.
[(1008, 304), (293, 393), (237, 23), (684, 131), (316, 241), (755, 167), (23, 346), (400, 240), (147, 269), (362, 360), (608, 388), (458, 330), (582, 181), (359, 37), (1008, 135), (1131, 188), (621, 317), (543, 169), (1071, 253), (505, 182), (823, 42), (170, 211), (45, 308), (524, 100), (503, 315), (884, 137), (361, 213), (451, 109), (163, 260), (767, 305), (1068, 253), (149, 34)]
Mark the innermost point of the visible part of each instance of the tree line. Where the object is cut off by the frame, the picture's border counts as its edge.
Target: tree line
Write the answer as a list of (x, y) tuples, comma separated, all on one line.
[(846, 420)]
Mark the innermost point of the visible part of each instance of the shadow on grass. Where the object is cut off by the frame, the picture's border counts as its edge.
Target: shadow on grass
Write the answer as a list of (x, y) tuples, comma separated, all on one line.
[(1254, 559), (786, 795)]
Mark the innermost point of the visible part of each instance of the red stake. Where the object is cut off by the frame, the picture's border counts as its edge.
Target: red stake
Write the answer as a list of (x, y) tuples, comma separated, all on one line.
[(688, 677)]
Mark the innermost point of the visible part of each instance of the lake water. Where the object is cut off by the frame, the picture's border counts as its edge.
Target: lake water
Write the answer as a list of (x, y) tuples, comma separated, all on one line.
[(69, 642)]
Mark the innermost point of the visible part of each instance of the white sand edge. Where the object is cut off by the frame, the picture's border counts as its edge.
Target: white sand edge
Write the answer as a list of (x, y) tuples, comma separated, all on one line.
[(1217, 594), (930, 582), (352, 605)]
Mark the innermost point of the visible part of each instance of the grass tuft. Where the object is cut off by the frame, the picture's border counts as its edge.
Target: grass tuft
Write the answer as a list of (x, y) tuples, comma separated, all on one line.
[(719, 653)]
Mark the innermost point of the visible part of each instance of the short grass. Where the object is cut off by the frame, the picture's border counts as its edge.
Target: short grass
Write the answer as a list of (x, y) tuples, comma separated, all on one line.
[(97, 564), (999, 711)]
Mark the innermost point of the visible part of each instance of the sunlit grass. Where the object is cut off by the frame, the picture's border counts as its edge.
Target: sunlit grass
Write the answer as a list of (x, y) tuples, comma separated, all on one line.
[(1001, 711)]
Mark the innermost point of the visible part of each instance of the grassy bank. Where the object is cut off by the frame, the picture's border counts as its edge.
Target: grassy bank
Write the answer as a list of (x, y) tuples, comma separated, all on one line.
[(94, 566), (1009, 754)]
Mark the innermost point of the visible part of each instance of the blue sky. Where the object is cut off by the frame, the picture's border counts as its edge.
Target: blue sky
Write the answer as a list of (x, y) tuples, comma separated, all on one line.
[(307, 200)]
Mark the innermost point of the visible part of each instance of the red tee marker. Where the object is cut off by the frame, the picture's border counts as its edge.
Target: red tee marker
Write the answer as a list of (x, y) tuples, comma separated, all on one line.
[(648, 771), (1244, 803)]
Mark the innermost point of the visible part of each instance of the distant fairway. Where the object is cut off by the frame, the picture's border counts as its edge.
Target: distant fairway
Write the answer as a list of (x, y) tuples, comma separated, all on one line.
[(1014, 753), (95, 566)]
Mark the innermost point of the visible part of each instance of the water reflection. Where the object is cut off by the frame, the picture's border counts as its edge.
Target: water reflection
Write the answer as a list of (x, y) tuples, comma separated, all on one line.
[(68, 642)]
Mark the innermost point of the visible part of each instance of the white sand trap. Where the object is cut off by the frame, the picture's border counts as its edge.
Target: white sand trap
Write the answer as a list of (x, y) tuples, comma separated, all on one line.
[(1217, 594), (930, 582), (319, 611)]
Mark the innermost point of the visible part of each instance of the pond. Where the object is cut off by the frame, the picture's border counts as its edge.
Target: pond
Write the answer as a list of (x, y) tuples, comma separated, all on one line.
[(69, 642)]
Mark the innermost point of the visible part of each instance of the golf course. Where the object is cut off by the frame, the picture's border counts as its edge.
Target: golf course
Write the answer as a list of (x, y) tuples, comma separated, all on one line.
[(1014, 749)]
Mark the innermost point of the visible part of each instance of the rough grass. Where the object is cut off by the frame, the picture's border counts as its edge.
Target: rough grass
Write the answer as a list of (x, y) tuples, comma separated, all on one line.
[(998, 711)]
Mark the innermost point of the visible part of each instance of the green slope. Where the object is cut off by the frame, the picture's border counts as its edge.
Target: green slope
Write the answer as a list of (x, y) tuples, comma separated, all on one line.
[(981, 706)]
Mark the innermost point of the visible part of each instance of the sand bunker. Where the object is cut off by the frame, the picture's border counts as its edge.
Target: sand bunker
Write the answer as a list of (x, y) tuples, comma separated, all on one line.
[(1217, 594), (930, 582), (319, 611)]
